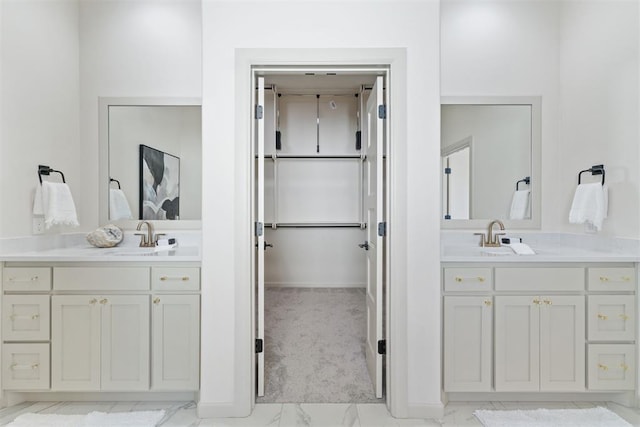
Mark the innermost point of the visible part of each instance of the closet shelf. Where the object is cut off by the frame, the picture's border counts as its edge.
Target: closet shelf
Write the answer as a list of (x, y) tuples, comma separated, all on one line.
[(315, 225)]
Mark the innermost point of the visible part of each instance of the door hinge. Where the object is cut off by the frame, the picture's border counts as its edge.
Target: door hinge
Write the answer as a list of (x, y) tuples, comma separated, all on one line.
[(259, 229), (447, 171), (259, 346), (382, 111), (382, 347), (382, 229), (259, 112)]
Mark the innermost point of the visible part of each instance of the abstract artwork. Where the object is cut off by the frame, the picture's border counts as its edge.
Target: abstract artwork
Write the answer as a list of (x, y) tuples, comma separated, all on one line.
[(159, 184)]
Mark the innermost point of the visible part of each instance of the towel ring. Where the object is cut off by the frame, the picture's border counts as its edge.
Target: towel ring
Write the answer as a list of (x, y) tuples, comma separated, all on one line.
[(595, 170), (116, 181), (526, 180), (46, 170)]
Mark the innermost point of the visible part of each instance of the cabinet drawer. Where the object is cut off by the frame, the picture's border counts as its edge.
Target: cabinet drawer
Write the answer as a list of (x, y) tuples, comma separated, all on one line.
[(611, 367), (25, 366), (26, 279), (467, 279), (611, 318), (612, 279), (101, 278), (25, 318), (532, 279), (175, 278)]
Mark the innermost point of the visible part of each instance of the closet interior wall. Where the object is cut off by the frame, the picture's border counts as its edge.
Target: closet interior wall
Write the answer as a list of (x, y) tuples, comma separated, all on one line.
[(313, 188)]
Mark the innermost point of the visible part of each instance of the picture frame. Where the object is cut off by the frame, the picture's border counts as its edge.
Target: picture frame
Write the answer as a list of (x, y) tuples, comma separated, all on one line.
[(159, 185)]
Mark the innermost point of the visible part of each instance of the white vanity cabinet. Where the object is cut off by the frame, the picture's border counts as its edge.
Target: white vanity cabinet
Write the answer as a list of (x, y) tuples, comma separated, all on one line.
[(125, 327), (534, 327)]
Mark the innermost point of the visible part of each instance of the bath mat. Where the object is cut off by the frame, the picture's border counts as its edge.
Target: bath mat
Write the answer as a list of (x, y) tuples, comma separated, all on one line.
[(591, 417), (93, 419)]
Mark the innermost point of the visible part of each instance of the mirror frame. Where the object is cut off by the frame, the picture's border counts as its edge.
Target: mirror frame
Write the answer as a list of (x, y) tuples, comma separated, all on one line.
[(103, 159), (536, 161)]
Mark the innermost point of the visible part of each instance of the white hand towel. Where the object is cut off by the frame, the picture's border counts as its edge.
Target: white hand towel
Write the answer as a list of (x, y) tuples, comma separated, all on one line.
[(118, 205), (589, 204), (38, 209), (520, 205), (58, 205)]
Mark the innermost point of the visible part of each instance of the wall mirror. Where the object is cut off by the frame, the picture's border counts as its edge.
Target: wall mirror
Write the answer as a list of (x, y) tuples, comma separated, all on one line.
[(490, 155), (150, 161)]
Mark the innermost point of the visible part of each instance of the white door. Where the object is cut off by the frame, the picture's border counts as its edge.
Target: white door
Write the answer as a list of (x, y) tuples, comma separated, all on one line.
[(125, 342), (259, 229), (374, 137)]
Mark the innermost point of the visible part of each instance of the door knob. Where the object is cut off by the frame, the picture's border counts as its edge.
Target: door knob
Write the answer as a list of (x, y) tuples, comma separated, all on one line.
[(364, 245)]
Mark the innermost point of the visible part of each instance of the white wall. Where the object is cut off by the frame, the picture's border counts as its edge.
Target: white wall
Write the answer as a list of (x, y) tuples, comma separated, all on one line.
[(226, 375), (600, 116), (40, 93), (507, 48), (132, 49)]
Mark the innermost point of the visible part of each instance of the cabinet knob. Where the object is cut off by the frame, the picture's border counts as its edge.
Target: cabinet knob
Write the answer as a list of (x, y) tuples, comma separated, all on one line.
[(604, 279), (536, 301), (624, 366), (103, 301), (548, 302), (602, 316), (623, 316), (603, 367), (487, 302), (93, 301), (156, 300)]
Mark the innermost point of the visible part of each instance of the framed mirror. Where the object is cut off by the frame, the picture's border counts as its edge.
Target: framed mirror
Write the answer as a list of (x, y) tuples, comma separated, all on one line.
[(491, 159), (150, 154)]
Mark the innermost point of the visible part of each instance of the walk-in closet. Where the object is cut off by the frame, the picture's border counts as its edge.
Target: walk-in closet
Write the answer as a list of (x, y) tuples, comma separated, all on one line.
[(319, 227)]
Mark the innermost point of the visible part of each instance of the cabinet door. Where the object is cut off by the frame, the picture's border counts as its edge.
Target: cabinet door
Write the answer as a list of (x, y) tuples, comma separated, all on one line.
[(125, 342), (75, 342), (176, 342), (562, 343), (467, 343), (517, 344)]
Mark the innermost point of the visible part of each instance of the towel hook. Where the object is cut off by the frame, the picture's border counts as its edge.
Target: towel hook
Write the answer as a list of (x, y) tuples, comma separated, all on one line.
[(595, 170), (116, 181), (526, 180), (46, 170)]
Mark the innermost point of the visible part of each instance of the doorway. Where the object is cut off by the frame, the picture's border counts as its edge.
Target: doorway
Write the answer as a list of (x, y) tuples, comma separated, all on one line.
[(319, 210)]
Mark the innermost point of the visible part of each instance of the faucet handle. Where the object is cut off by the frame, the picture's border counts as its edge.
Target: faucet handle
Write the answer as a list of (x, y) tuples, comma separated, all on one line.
[(143, 239), (496, 238), (155, 241), (482, 238)]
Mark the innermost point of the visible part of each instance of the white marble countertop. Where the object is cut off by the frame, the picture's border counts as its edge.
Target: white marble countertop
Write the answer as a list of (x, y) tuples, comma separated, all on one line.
[(74, 248), (548, 248)]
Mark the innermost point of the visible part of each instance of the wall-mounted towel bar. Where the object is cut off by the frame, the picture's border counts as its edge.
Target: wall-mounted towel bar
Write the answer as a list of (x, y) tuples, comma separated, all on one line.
[(595, 170), (46, 170), (116, 181), (526, 180)]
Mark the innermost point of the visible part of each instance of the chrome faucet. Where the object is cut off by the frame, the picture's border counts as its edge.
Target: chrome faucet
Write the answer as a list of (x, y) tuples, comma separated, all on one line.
[(147, 240), (491, 240)]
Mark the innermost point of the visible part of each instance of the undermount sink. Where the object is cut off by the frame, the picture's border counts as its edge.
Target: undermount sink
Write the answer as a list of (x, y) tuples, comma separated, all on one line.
[(134, 250), (500, 250)]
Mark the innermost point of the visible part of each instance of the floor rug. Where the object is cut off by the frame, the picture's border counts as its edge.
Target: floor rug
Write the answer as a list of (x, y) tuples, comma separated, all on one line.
[(93, 419), (314, 346), (591, 417)]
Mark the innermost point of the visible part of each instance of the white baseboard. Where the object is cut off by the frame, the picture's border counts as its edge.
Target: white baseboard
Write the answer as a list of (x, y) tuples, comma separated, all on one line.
[(508, 396), (431, 411), (71, 396), (313, 285)]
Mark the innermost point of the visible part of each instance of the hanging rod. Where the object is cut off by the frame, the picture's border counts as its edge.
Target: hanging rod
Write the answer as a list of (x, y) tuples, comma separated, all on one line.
[(526, 180), (46, 170), (316, 225), (116, 181), (314, 156), (595, 170)]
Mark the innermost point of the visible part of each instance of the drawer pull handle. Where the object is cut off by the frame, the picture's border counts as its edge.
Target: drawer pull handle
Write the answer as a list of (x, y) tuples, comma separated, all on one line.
[(602, 316), (487, 302), (156, 300), (603, 367), (462, 279), (624, 366), (16, 367), (103, 301), (186, 278), (622, 279), (623, 316), (604, 279), (536, 301), (24, 317), (30, 279), (548, 302), (92, 301)]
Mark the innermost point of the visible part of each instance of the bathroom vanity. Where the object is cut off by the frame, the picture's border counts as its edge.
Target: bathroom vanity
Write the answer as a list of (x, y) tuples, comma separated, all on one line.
[(98, 320), (560, 321)]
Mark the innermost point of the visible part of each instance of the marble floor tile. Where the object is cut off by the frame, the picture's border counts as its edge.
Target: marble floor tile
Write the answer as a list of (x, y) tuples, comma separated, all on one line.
[(7, 415), (537, 405), (461, 413), (265, 414), (377, 415), (319, 415), (631, 415)]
